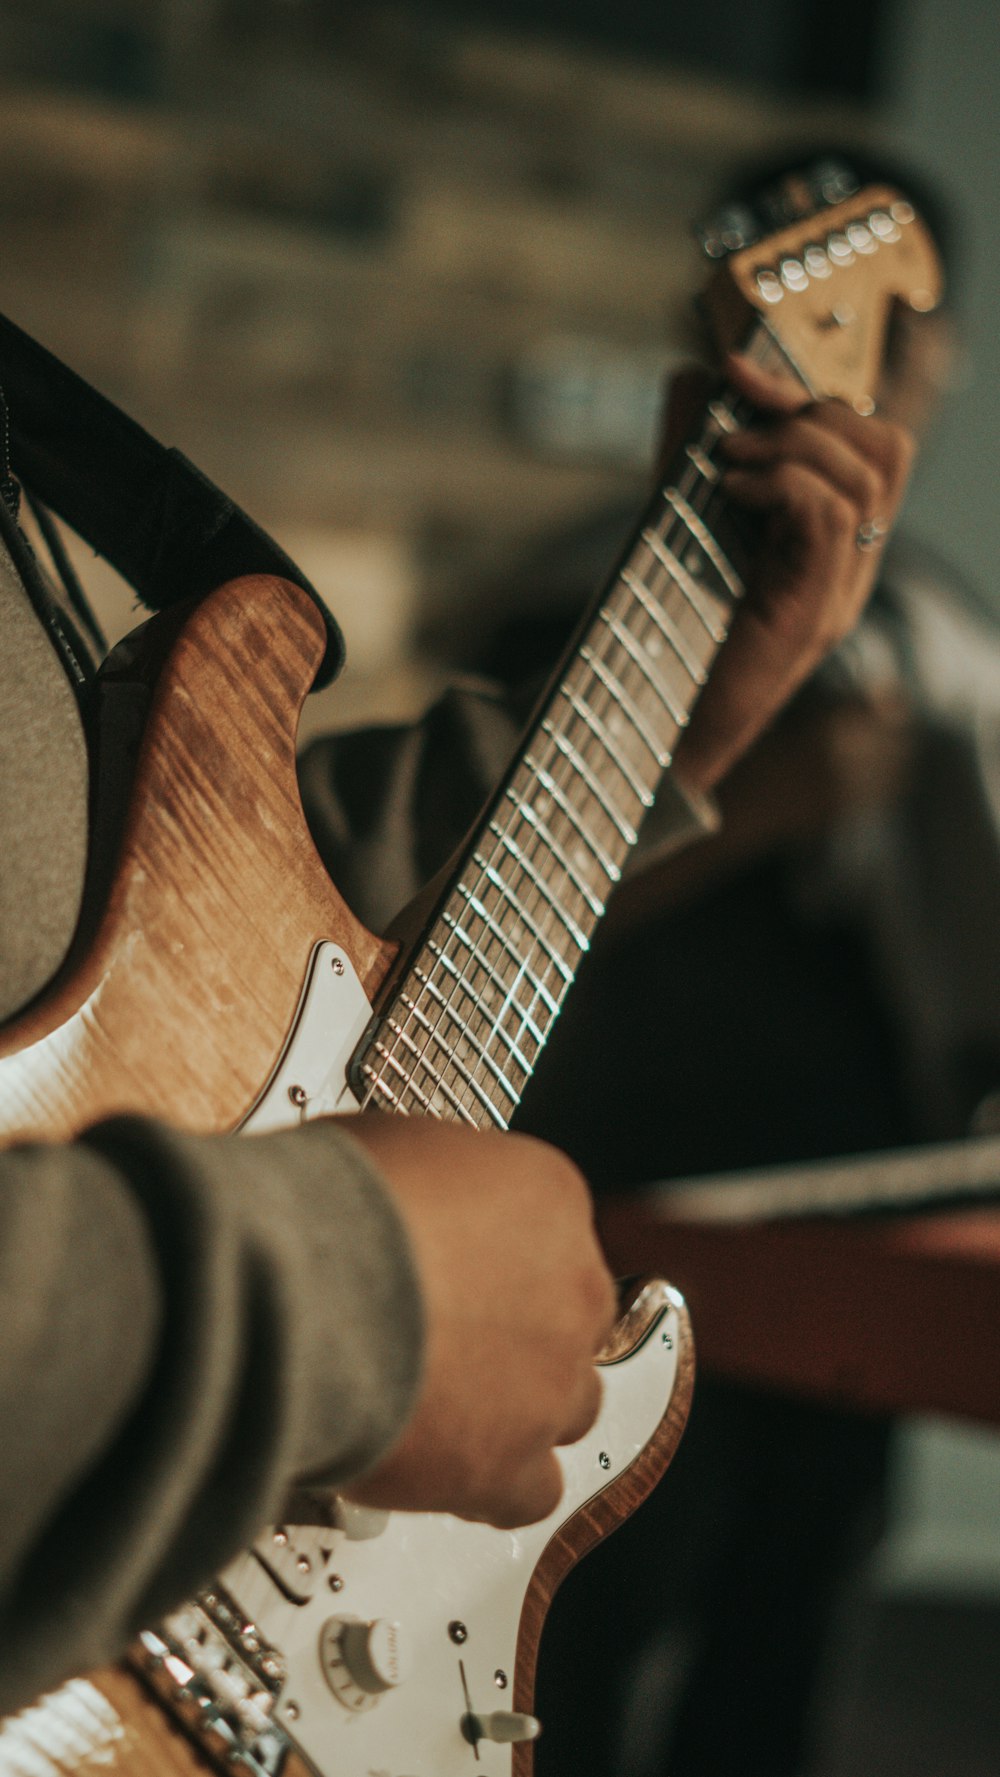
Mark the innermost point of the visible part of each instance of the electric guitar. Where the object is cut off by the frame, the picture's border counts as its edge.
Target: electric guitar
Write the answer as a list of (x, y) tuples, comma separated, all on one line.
[(354, 1643)]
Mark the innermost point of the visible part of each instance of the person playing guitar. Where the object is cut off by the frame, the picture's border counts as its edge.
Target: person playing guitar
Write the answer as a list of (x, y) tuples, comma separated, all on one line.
[(194, 1324)]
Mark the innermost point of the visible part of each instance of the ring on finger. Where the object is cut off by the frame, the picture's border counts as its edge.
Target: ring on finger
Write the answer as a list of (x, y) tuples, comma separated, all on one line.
[(871, 535)]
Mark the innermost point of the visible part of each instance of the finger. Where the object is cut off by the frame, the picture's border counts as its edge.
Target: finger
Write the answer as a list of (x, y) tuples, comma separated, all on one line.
[(801, 440), (534, 1493), (585, 1409), (888, 447), (601, 1301), (766, 389), (819, 516)]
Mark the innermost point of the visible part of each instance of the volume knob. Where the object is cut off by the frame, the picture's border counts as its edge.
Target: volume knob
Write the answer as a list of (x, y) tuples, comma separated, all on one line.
[(361, 1660)]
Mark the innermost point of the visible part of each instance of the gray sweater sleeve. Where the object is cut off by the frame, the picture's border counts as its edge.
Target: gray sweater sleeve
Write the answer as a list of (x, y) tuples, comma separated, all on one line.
[(188, 1325)]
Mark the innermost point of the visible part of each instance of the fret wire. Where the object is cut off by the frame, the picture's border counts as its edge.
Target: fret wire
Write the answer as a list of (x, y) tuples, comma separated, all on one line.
[(462, 1109), (470, 1074), (611, 870), (702, 462), (535, 821), (520, 856), (498, 1074), (446, 1004), (468, 942), (693, 522), (508, 1003), (583, 770), (539, 919), (722, 416), (468, 985), (499, 883), (417, 1091), (378, 1085), (378, 1082), (640, 659), (593, 723), (694, 594), (574, 760), (579, 937), (458, 1066), (540, 991), (562, 753), (538, 941), (663, 621)]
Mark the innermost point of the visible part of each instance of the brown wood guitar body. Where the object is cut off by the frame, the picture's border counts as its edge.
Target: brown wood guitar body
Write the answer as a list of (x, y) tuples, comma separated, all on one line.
[(204, 902), (193, 949)]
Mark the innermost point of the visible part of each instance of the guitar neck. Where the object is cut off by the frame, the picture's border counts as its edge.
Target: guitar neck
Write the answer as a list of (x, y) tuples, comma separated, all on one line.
[(463, 1028)]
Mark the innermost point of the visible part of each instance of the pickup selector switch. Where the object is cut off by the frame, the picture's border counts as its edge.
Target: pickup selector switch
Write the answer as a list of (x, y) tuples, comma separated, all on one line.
[(360, 1524), (507, 1727), (362, 1660)]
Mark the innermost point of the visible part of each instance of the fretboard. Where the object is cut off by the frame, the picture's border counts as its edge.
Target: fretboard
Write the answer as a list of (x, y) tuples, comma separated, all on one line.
[(465, 1024)]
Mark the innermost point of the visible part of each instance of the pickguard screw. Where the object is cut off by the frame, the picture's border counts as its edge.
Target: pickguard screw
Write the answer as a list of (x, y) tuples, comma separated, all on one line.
[(500, 1679), (604, 1459), (337, 965), (668, 1340), (335, 1583), (292, 1711), (458, 1632), (298, 1095)]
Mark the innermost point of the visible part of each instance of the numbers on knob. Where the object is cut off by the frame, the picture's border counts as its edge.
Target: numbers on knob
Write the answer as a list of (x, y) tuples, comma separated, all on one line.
[(362, 1660)]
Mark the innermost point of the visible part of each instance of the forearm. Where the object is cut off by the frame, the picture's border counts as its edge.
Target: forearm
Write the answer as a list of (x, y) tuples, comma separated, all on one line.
[(189, 1325)]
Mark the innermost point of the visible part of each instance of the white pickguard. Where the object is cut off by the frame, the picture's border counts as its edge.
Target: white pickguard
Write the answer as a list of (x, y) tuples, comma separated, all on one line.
[(455, 1589), (427, 1572)]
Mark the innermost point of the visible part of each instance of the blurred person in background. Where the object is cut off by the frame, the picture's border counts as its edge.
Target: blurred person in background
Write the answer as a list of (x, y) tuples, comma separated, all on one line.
[(816, 978), (825, 982), (193, 1323)]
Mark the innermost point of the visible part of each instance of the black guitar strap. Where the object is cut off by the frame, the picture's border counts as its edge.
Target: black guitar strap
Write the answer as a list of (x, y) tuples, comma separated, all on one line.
[(166, 529)]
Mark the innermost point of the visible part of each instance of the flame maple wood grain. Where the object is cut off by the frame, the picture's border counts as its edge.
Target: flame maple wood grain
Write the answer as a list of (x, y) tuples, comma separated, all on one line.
[(179, 1002), (601, 1515), (205, 899)]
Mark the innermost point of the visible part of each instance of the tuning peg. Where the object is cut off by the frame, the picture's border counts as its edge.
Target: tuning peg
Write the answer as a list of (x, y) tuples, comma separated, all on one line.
[(728, 230)]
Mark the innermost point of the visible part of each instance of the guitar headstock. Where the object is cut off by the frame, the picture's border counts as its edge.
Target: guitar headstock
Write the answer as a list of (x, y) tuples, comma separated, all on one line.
[(825, 282)]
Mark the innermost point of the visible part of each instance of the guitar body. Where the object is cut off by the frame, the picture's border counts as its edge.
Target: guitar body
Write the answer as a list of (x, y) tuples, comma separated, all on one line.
[(195, 952), (467, 1603)]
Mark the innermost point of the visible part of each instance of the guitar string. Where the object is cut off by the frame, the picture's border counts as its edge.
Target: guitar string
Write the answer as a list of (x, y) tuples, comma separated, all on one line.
[(703, 494), (542, 848), (461, 981), (526, 855)]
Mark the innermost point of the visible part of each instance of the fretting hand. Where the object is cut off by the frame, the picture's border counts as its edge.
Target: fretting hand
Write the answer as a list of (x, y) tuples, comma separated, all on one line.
[(827, 484)]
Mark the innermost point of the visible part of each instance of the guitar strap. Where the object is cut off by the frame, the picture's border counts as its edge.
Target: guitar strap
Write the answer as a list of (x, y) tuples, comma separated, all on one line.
[(162, 524)]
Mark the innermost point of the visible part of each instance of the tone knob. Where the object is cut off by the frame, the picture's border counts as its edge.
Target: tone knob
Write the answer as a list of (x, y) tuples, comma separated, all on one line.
[(361, 1660)]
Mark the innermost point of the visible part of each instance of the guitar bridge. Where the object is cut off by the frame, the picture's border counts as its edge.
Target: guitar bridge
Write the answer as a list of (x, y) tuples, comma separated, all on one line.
[(215, 1671)]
